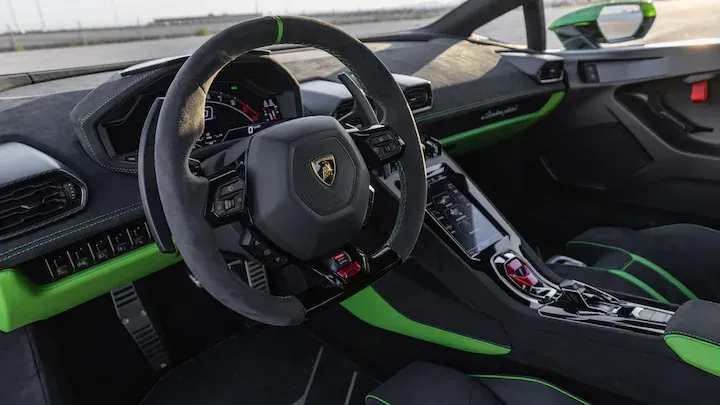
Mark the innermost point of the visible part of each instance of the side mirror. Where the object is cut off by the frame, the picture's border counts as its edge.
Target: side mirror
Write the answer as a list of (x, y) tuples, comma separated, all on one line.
[(613, 22)]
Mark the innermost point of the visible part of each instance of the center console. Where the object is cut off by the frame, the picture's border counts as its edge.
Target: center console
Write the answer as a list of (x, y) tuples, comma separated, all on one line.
[(468, 222)]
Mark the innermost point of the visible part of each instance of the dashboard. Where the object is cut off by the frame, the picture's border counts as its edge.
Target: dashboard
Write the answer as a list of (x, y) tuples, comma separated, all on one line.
[(246, 97), (459, 91)]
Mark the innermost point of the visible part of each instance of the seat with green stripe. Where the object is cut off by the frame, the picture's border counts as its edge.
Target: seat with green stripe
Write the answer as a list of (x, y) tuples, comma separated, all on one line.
[(424, 383), (672, 263)]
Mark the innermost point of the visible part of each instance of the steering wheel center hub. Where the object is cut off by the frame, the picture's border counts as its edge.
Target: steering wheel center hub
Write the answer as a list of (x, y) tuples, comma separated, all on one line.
[(308, 186)]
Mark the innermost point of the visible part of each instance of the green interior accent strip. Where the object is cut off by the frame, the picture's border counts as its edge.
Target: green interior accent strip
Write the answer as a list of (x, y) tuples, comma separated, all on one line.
[(669, 277), (382, 401), (22, 302), (534, 380), (680, 286), (686, 224), (370, 307), (640, 284), (487, 135), (698, 353), (281, 27)]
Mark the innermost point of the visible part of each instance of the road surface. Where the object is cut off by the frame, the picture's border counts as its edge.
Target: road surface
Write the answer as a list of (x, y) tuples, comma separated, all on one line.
[(677, 20)]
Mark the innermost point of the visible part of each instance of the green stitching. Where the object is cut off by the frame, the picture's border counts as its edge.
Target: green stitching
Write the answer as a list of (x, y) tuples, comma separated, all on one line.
[(669, 277), (281, 27), (136, 205), (640, 284), (533, 380), (382, 401), (665, 274), (693, 225), (632, 279), (66, 234)]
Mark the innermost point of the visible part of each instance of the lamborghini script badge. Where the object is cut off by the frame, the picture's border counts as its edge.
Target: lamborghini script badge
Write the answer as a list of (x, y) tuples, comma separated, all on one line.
[(324, 169)]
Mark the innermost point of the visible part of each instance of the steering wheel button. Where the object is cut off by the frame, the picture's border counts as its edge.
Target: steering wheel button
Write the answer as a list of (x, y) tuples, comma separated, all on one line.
[(379, 139), (231, 188), (219, 207), (239, 200)]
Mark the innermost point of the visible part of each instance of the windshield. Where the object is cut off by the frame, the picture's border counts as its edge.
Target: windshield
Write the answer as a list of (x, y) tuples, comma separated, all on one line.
[(41, 35)]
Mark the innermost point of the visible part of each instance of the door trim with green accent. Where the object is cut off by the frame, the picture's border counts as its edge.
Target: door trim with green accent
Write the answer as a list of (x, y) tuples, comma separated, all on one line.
[(22, 302), (492, 133), (371, 307), (698, 353), (533, 380)]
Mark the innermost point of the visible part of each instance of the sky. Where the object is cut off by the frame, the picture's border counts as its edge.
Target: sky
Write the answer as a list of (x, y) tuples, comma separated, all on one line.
[(60, 14)]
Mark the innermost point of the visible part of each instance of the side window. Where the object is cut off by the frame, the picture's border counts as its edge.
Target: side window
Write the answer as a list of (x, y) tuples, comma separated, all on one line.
[(508, 28)]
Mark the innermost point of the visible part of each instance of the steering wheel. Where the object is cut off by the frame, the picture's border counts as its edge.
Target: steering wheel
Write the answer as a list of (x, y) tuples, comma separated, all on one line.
[(302, 184)]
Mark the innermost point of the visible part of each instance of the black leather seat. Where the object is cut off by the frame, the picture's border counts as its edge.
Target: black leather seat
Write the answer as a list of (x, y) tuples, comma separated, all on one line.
[(424, 383), (672, 263)]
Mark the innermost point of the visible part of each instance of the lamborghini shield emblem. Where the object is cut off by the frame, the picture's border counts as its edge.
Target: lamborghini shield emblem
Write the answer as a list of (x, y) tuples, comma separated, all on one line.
[(324, 169)]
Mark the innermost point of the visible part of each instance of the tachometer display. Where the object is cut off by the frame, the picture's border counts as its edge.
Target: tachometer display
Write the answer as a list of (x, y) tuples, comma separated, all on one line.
[(227, 116)]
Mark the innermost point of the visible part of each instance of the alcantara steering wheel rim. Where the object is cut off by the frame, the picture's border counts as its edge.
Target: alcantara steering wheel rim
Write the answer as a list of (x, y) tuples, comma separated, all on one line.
[(181, 120)]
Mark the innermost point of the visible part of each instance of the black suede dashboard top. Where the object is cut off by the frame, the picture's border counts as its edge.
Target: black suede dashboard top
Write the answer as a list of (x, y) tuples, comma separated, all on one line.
[(464, 76)]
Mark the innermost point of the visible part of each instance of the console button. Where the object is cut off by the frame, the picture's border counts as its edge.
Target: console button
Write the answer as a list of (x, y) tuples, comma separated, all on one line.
[(455, 213), (341, 259), (436, 212), (465, 226), (255, 244), (140, 234), (450, 228), (444, 200), (59, 265), (349, 270), (101, 249), (82, 257), (277, 261), (520, 273), (121, 242)]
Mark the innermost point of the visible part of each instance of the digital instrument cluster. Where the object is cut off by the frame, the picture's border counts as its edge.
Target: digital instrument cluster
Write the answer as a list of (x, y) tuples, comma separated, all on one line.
[(232, 113), (246, 97)]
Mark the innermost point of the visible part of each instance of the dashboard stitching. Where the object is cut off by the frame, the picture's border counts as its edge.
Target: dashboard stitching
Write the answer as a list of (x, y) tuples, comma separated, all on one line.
[(472, 106), (68, 228), (94, 110), (94, 221)]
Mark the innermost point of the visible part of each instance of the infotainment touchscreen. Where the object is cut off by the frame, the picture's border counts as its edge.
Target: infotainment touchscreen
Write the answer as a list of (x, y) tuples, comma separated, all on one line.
[(449, 203)]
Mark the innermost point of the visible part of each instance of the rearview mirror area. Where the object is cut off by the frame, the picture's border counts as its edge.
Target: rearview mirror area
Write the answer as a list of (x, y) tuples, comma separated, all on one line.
[(613, 22)]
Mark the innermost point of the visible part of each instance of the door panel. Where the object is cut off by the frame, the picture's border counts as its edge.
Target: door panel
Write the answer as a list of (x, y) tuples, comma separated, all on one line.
[(634, 135)]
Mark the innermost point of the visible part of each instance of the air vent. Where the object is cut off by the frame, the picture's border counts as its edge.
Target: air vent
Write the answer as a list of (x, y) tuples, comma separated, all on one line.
[(419, 98), (346, 106), (343, 108), (551, 72), (38, 201)]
